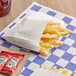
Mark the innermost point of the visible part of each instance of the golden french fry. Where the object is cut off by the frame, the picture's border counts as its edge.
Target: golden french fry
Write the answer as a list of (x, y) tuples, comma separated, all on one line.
[(52, 41), (49, 36), (66, 72), (58, 43), (46, 45), (44, 51), (52, 24), (45, 40), (64, 33), (41, 42), (67, 30), (51, 31), (51, 27), (54, 27), (54, 69), (48, 27), (63, 29), (60, 70)]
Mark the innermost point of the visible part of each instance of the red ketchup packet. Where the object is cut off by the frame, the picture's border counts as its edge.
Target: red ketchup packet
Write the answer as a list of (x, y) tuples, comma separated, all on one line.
[(11, 65), (4, 58)]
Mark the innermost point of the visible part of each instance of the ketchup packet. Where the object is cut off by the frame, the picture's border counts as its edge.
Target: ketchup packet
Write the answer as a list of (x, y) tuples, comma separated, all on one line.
[(11, 65), (4, 58)]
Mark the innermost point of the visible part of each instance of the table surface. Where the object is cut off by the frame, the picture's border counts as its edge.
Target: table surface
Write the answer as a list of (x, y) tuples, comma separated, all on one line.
[(18, 6)]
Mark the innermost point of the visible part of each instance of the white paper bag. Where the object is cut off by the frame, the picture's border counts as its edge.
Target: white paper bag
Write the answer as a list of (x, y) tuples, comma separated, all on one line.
[(45, 72), (28, 32)]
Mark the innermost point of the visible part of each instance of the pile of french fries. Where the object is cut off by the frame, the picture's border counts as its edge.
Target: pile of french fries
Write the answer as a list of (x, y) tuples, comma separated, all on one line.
[(62, 71), (50, 37)]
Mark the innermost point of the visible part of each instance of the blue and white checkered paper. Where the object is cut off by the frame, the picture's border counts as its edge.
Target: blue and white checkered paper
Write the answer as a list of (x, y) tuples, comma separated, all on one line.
[(62, 57)]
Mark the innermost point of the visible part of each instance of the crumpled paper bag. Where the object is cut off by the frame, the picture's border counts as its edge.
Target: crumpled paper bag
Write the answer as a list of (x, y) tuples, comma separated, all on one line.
[(28, 32)]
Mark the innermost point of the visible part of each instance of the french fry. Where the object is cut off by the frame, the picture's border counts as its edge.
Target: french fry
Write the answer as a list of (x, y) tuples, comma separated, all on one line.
[(66, 72), (53, 24), (63, 29), (47, 45), (67, 30), (49, 36), (41, 42), (58, 43), (54, 69), (44, 51), (51, 31), (48, 27), (46, 40), (60, 70), (64, 33), (52, 41)]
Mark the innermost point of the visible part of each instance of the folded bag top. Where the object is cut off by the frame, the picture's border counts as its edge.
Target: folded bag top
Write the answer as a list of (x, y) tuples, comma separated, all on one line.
[(28, 32)]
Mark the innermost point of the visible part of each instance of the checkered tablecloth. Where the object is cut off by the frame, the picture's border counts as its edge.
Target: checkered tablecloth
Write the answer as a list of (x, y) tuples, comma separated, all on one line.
[(62, 57)]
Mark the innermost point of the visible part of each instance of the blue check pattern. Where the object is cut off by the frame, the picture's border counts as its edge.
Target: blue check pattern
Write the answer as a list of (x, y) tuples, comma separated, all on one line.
[(65, 57)]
